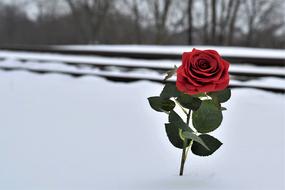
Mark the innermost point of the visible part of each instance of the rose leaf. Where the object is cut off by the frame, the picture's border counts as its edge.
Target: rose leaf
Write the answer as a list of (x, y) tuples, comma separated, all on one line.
[(207, 118), (195, 138), (212, 143), (222, 96), (169, 91), (176, 120), (189, 102), (173, 135), (160, 105)]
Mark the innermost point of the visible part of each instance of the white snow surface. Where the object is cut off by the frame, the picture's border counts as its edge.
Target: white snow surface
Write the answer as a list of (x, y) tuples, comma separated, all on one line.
[(223, 50), (267, 82), (135, 63), (59, 132)]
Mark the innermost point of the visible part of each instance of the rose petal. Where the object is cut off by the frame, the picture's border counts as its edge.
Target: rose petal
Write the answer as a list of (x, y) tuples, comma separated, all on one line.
[(202, 71)]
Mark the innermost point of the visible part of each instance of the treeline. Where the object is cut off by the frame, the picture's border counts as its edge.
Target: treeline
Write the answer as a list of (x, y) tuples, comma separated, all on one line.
[(255, 23)]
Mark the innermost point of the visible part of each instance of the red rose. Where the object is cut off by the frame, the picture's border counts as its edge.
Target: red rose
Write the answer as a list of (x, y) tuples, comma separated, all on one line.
[(202, 71)]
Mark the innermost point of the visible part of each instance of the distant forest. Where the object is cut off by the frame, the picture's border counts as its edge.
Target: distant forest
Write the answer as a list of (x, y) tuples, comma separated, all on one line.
[(252, 23)]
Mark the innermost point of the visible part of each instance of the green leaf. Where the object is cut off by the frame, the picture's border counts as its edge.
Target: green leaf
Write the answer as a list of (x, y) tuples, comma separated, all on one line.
[(216, 101), (160, 105), (169, 91), (210, 141), (222, 96), (176, 120), (173, 135), (207, 118), (170, 73), (189, 102), (199, 95), (194, 137), (174, 117)]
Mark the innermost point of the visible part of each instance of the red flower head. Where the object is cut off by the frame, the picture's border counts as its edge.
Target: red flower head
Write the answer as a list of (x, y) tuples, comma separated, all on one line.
[(202, 71)]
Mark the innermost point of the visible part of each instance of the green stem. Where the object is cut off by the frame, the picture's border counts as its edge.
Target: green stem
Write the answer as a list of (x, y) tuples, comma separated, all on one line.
[(180, 106), (184, 152), (183, 159), (188, 117), (188, 148)]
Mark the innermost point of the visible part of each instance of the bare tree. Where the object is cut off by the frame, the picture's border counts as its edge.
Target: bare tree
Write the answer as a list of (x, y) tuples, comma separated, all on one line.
[(90, 16), (47, 9), (136, 14), (262, 15), (206, 22), (213, 24), (137, 20), (232, 21), (222, 22), (160, 12), (252, 7), (14, 24), (190, 21)]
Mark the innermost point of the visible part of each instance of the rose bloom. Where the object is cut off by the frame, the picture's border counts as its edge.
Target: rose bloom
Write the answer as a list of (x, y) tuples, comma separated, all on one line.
[(202, 71)]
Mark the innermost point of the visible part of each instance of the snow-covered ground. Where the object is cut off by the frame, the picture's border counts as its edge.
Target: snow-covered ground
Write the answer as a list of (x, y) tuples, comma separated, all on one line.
[(52, 65), (126, 62), (223, 50), (59, 132)]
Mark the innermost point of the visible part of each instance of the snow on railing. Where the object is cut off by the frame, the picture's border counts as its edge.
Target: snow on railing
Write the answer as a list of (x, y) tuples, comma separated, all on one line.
[(117, 62), (237, 55)]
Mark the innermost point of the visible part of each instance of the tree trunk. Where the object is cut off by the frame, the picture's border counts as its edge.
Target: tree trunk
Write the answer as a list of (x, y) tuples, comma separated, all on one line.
[(205, 27), (137, 22), (190, 22), (160, 20), (214, 15), (232, 23)]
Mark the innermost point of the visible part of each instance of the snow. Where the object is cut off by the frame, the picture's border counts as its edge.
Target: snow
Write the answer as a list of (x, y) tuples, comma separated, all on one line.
[(59, 132), (141, 73), (257, 69), (125, 62), (265, 82), (176, 50), (89, 60)]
